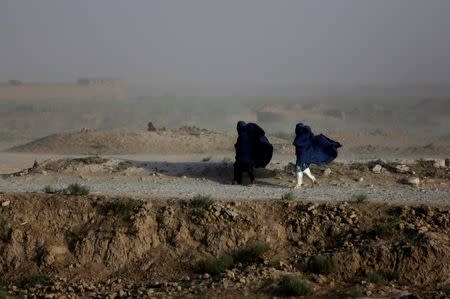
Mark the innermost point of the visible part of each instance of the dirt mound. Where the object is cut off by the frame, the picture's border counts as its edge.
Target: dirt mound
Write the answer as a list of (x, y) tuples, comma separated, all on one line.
[(183, 140), (97, 247)]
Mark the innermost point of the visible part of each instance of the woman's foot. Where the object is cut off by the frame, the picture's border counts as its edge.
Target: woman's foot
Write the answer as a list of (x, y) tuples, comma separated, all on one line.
[(297, 186)]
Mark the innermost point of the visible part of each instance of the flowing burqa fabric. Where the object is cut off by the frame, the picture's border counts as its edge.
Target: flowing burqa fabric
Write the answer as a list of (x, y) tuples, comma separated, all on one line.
[(310, 148), (252, 146)]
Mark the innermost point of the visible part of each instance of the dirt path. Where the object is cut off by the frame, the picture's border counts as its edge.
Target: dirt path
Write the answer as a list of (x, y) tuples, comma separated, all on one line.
[(176, 178)]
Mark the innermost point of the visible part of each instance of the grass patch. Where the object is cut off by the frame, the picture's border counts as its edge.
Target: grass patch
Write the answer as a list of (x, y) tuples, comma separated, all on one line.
[(92, 160), (288, 196), (383, 275), (202, 202), (72, 189), (323, 265), (293, 286), (122, 166), (390, 274), (206, 159), (252, 253), (76, 189), (386, 229), (5, 231), (34, 279), (356, 291), (50, 190), (124, 207), (217, 265), (360, 198), (375, 277)]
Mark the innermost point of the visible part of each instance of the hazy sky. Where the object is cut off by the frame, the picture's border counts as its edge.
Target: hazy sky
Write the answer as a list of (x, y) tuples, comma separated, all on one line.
[(227, 43)]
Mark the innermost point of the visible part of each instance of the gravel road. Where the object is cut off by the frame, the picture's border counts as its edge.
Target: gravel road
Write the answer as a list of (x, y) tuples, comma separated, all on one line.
[(173, 184)]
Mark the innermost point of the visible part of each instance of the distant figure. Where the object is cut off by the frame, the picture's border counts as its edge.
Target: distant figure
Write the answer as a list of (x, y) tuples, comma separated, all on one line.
[(151, 127), (253, 149), (311, 149)]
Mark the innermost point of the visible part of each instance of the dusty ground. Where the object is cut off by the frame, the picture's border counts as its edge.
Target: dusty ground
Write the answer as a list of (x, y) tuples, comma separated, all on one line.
[(182, 179), (138, 234), (98, 246), (388, 144)]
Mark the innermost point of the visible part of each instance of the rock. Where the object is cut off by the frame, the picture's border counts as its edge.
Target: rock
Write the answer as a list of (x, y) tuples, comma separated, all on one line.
[(377, 168), (439, 163), (361, 179), (414, 181), (401, 168), (327, 172), (6, 203)]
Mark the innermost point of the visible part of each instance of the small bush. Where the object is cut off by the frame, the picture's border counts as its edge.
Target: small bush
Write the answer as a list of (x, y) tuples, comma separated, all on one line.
[(386, 229), (50, 190), (323, 265), (34, 279), (72, 189), (93, 160), (360, 198), (201, 202), (356, 291), (253, 253), (288, 196), (124, 207), (293, 286), (76, 189), (389, 274), (217, 265), (375, 277), (206, 159), (5, 231), (123, 165)]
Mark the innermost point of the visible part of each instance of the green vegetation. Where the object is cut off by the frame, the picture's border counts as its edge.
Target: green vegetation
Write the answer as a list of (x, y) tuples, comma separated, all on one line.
[(92, 160), (217, 265), (355, 292), (252, 253), (360, 198), (201, 202), (293, 286), (72, 189), (288, 196), (375, 277), (383, 275), (34, 279), (123, 165), (76, 189), (124, 206), (50, 190), (386, 229), (5, 231), (206, 159), (323, 265)]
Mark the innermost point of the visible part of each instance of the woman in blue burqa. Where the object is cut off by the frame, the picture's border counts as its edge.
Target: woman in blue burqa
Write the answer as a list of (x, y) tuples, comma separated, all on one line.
[(310, 148), (253, 149)]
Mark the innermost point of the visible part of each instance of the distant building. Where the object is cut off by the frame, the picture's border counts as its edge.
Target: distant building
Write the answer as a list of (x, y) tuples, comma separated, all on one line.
[(84, 89)]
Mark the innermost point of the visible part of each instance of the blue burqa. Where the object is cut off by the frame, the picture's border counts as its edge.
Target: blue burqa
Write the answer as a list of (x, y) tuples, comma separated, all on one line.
[(252, 146), (310, 148)]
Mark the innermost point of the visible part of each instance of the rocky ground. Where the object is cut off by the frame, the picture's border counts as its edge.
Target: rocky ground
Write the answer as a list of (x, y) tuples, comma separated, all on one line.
[(94, 246), (409, 182)]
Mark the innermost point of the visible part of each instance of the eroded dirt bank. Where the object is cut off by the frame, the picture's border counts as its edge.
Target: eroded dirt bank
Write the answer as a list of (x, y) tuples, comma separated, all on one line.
[(94, 246)]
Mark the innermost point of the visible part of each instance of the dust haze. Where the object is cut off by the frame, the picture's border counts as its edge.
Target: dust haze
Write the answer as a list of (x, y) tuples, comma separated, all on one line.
[(354, 66)]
